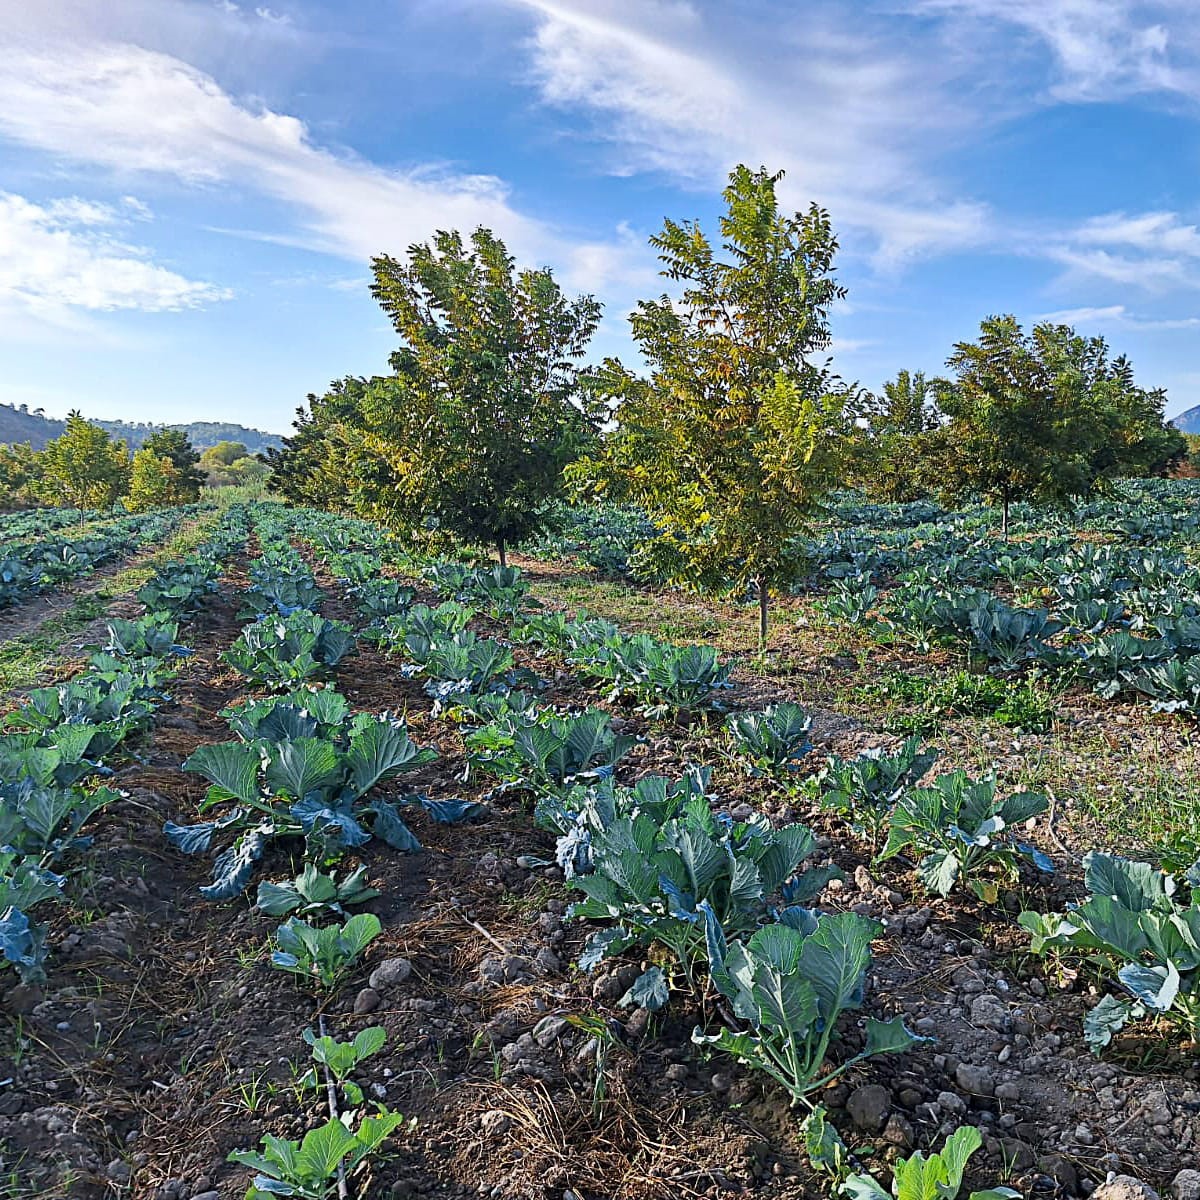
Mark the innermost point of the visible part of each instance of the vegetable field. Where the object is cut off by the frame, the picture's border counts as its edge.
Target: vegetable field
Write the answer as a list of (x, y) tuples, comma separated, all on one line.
[(332, 869)]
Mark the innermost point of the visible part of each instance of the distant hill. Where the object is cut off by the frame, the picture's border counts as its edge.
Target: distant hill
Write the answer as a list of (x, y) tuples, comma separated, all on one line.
[(21, 425), (1188, 422)]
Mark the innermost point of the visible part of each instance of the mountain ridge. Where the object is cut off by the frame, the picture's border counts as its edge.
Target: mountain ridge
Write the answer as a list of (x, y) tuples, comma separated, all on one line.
[(1188, 421), (19, 424)]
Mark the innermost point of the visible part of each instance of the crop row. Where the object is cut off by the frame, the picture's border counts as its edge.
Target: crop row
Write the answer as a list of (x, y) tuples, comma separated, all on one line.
[(34, 566)]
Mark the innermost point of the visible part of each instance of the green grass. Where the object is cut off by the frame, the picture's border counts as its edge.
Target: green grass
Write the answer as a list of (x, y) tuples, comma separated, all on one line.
[(922, 704)]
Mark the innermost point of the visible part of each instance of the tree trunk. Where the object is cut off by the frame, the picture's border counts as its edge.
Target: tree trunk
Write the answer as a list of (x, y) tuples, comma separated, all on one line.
[(763, 599), (502, 551)]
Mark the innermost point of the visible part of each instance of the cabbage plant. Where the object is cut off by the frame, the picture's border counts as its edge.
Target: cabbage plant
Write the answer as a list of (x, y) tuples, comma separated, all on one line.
[(1135, 917), (772, 742), (790, 982)]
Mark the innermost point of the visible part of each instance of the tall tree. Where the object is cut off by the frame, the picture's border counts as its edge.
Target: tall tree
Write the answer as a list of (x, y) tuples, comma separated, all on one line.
[(174, 445), (1045, 417), (312, 466), (84, 468), (485, 407), (153, 481), (741, 429), (900, 422)]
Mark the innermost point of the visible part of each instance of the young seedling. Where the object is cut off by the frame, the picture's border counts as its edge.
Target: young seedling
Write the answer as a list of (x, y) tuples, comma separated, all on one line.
[(324, 956), (342, 1059)]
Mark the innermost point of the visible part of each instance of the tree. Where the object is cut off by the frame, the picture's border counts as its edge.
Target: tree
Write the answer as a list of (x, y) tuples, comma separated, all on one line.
[(20, 475), (154, 481), (741, 429), (173, 444), (84, 468), (485, 407), (312, 467), (1045, 417), (900, 424)]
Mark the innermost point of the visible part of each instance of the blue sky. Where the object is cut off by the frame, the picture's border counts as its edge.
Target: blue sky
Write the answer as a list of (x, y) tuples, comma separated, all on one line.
[(190, 189)]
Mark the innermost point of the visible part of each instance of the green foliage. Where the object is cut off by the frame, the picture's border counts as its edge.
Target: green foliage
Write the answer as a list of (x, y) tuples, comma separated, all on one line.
[(740, 432), (656, 873), (470, 434), (1027, 703), (897, 467), (929, 1177), (84, 467), (342, 1058), (1132, 917), (308, 1169), (312, 894), (790, 982), (323, 956), (1046, 417), (958, 825), (773, 741), (865, 789), (281, 651)]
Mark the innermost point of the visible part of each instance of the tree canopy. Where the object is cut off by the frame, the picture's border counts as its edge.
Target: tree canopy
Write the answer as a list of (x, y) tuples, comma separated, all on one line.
[(1045, 417), (741, 428), (470, 433), (84, 467)]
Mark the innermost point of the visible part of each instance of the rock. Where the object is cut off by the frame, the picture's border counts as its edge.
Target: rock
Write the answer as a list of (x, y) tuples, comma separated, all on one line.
[(210, 1195), (389, 973), (118, 1171), (548, 1030), (1124, 1187), (1186, 1185), (898, 1132), (951, 1102), (869, 1107), (1008, 1091), (367, 1001), (720, 1082), (22, 998), (989, 1012), (546, 962), (977, 1081), (495, 1123)]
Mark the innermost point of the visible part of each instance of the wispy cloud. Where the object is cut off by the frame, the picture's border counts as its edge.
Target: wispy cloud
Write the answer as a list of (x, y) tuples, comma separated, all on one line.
[(138, 112), (689, 92), (1152, 251), (65, 255), (1117, 316), (1100, 49)]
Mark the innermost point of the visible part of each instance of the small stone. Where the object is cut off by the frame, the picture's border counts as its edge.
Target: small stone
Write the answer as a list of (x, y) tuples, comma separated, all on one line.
[(1008, 1091), (869, 1107), (210, 1195), (367, 1001), (118, 1171), (549, 1030), (721, 1082), (898, 1132), (677, 1073), (951, 1102), (1124, 1187), (389, 973), (1186, 1185), (495, 1123), (977, 1081), (989, 1012)]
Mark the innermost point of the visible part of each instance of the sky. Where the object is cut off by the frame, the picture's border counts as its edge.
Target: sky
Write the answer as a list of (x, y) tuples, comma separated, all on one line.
[(191, 190)]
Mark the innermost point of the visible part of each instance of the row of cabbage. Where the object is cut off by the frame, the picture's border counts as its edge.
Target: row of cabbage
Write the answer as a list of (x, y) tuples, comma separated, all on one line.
[(960, 832), (59, 742), (657, 861), (37, 522), (37, 564), (302, 773)]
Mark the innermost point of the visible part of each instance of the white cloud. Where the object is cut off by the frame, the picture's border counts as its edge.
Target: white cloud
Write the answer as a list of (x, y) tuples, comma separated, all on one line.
[(138, 112), (1152, 251), (63, 256), (689, 93), (1101, 49), (1117, 316)]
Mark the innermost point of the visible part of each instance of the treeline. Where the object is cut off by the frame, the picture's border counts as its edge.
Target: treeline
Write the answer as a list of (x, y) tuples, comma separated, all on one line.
[(85, 467), (735, 431), (19, 423)]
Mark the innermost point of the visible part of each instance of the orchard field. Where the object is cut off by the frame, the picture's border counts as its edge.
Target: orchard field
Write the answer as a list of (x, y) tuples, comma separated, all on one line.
[(333, 868)]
